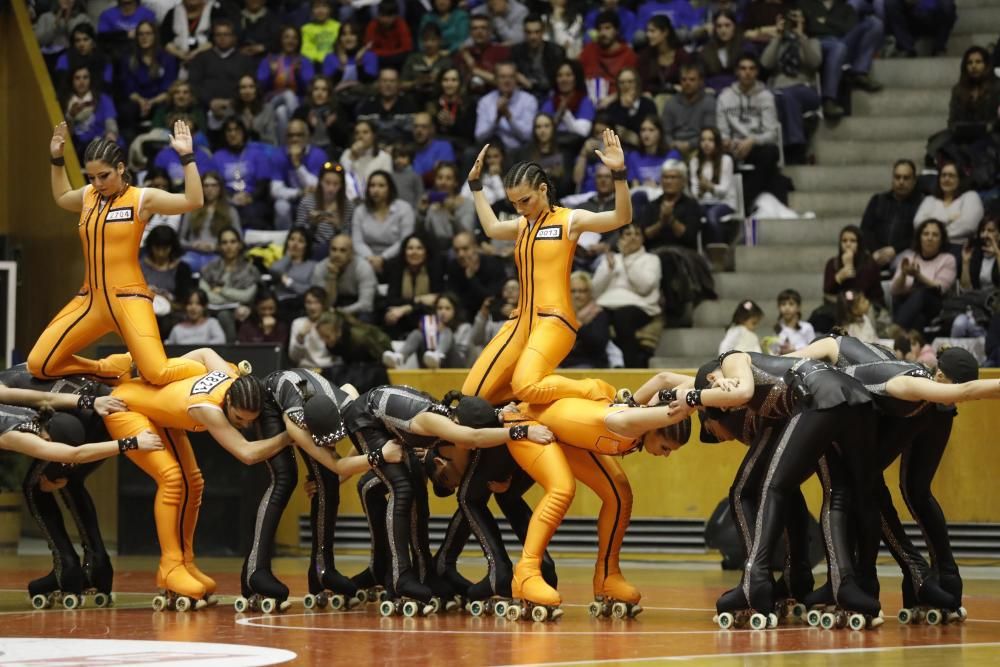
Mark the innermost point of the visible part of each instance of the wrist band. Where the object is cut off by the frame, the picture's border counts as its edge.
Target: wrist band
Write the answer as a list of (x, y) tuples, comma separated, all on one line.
[(127, 444), (187, 159), (475, 184), (85, 402), (620, 175), (667, 395), (375, 458), (693, 398), (58, 161), (519, 432)]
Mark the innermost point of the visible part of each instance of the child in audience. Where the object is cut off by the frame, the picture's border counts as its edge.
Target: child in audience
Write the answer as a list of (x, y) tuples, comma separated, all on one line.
[(793, 333), (442, 340), (741, 332), (852, 315)]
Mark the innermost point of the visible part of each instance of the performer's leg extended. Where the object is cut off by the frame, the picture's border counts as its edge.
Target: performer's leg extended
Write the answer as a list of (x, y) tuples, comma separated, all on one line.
[(490, 377), (82, 321), (133, 312), (548, 344)]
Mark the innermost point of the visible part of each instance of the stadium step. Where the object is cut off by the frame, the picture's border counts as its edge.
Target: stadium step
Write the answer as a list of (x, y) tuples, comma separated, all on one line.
[(765, 259), (677, 363), (977, 20), (903, 102), (892, 128), (694, 342), (844, 202), (765, 286), (824, 178), (882, 153), (802, 232), (959, 42), (924, 73)]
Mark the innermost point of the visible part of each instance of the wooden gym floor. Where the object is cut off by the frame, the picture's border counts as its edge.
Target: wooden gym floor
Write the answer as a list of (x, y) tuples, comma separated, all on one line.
[(678, 597)]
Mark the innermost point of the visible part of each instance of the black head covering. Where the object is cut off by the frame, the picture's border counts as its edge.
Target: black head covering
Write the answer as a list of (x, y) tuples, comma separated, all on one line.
[(958, 365), (66, 428), (475, 412), (324, 420)]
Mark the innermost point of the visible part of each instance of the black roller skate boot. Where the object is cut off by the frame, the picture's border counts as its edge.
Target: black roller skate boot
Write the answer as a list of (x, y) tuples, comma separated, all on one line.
[(62, 586), (409, 597), (261, 591)]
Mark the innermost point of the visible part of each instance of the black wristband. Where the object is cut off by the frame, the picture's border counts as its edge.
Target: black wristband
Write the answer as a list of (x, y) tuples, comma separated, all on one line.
[(58, 161), (475, 184), (187, 159), (693, 398), (375, 458), (667, 395), (620, 175), (519, 432), (128, 444), (86, 402)]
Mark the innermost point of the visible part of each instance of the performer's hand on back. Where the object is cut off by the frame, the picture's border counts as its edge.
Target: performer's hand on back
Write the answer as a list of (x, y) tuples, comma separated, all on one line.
[(540, 434), (106, 405), (392, 452), (149, 442)]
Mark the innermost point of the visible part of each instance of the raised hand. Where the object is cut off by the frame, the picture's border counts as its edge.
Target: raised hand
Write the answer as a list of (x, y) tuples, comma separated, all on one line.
[(613, 156), (477, 166), (58, 143), (181, 140)]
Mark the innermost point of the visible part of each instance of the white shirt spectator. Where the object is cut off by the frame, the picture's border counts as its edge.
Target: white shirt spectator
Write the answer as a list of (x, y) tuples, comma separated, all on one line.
[(961, 217)]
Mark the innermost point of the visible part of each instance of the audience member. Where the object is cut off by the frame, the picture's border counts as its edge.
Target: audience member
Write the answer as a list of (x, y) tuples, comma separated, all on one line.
[(571, 109), (852, 316), (305, 347), (478, 60), (364, 157), (645, 162), (409, 184), (924, 273), (627, 108), (507, 112), (230, 280), (356, 348), (381, 222), (690, 19), (167, 276), (284, 76), (422, 69), (292, 275), (83, 52), (197, 327), (537, 59), (157, 177), (907, 20), (215, 73), (471, 275), (793, 333), (592, 246), (443, 213), (389, 36), (430, 151), (180, 100), (147, 73), (543, 149), (590, 350), (506, 19), (117, 25), (246, 172), (672, 219), (887, 224), (453, 112), (976, 96), (326, 211), (263, 324), (348, 280), (979, 278), (389, 110), (441, 340), (741, 334), (320, 32), (186, 29), (320, 112), (607, 54), (564, 26), (89, 113), (852, 268), (953, 205), (351, 66), (627, 26), (260, 29), (200, 229), (686, 114), (492, 178), (415, 278), (258, 118), (712, 184), (52, 28), (724, 47), (296, 169), (452, 22)]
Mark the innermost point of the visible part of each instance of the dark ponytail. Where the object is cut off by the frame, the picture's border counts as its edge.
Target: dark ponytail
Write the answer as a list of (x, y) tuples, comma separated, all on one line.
[(534, 175)]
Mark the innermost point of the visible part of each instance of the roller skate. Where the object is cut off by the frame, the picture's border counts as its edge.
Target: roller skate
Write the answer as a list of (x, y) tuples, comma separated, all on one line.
[(99, 576), (368, 588), (444, 597), (788, 604), (484, 600), (264, 593), (333, 589), (931, 604), (624, 397), (50, 590), (819, 602), (459, 584), (205, 581), (951, 582), (733, 611), (179, 591), (616, 598), (854, 609), (532, 597), (411, 598)]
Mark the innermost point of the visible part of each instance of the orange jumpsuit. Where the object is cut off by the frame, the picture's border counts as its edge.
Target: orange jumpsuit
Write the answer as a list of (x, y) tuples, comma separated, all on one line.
[(520, 359), (582, 452), (179, 482), (113, 297)]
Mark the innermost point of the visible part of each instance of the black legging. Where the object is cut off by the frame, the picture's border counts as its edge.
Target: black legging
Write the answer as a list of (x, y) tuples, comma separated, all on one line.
[(916, 309), (626, 321), (375, 503), (323, 507)]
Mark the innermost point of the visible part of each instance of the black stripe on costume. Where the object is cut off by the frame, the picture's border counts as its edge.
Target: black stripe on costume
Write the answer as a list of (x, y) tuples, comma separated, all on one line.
[(618, 510), (104, 268), (187, 490), (529, 269), (560, 318)]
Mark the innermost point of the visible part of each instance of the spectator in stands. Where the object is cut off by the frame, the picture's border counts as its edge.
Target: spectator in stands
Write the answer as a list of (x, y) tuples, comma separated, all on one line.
[(661, 60), (713, 185), (591, 347), (853, 316), (52, 28), (748, 122), (415, 279), (492, 177), (263, 325), (441, 339), (673, 218), (591, 247), (284, 76), (83, 52), (506, 19), (390, 111), (197, 327), (389, 36), (586, 165), (491, 314), (760, 21), (644, 163), (124, 18), (168, 159), (537, 59), (924, 273), (356, 348), (953, 205), (887, 224), (627, 108), (852, 268), (907, 19), (453, 112), (349, 280), (627, 26), (430, 151), (296, 169), (980, 274), (320, 112), (846, 40), (570, 107), (690, 21), (230, 280), (167, 275), (543, 149), (291, 275), (381, 222), (246, 172), (627, 287), (319, 34), (326, 211), (686, 114), (180, 100), (793, 59), (351, 66), (792, 331), (976, 96), (452, 22), (443, 212), (200, 229), (186, 29), (723, 49), (564, 26), (305, 347), (471, 275), (477, 61), (422, 69), (147, 74), (607, 54), (260, 29), (157, 177), (508, 112), (256, 116), (409, 184), (364, 157), (215, 73), (89, 113), (742, 332)]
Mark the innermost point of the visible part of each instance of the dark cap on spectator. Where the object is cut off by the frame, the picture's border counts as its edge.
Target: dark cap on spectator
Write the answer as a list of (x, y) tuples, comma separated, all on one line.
[(958, 365)]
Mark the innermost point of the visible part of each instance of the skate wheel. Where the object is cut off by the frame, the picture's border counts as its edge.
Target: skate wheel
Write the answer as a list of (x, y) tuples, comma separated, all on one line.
[(451, 605), (183, 604), (383, 596), (513, 613), (813, 617), (283, 606), (798, 610), (39, 601), (539, 614), (309, 601), (725, 620), (353, 602), (267, 605), (241, 604), (555, 614), (905, 617), (619, 610), (933, 617), (159, 603), (386, 608), (772, 620), (410, 608), (436, 604), (362, 596), (962, 614), (595, 609), (337, 602), (856, 622), (758, 621), (635, 610), (827, 621), (201, 604), (71, 601), (476, 608), (101, 600), (499, 608)]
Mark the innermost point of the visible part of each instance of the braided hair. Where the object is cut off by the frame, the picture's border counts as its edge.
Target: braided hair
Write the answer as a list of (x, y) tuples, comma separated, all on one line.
[(246, 393), (471, 411), (105, 150), (534, 175)]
